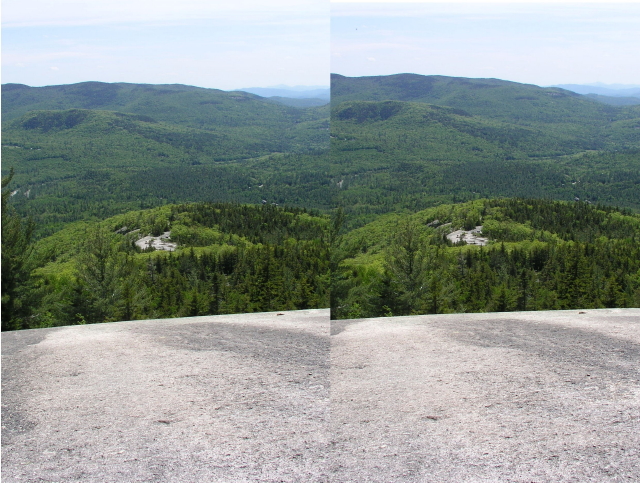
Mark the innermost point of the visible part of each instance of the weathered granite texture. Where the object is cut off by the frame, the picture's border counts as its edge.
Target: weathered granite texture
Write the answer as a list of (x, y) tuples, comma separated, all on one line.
[(512, 397)]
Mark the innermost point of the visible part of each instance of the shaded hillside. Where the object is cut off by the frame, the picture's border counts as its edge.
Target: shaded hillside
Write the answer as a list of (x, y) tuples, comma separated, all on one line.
[(107, 138), (430, 126)]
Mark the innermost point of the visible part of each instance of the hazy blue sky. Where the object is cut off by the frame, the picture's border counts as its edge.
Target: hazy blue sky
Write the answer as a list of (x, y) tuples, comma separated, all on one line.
[(540, 43), (244, 43), (208, 43)]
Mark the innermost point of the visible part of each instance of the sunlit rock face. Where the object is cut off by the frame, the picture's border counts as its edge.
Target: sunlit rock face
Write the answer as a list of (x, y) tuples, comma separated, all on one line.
[(470, 237), (158, 242)]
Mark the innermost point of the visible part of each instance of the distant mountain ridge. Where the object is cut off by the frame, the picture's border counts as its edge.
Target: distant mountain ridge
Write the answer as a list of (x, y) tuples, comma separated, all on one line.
[(176, 103), (235, 114), (96, 149), (615, 101), (613, 95), (296, 92), (408, 141), (403, 141), (611, 91), (552, 109), (494, 98)]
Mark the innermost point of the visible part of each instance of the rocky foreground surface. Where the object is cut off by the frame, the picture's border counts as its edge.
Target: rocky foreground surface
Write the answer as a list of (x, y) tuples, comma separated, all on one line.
[(512, 397)]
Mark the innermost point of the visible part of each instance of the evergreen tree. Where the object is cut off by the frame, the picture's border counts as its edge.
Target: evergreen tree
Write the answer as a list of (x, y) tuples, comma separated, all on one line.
[(405, 266), (100, 275), (16, 252)]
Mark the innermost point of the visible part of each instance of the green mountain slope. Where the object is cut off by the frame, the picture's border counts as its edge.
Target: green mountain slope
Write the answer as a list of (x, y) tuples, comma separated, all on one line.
[(522, 104), (531, 255), (476, 138), (92, 150), (556, 111), (615, 101), (227, 258), (281, 128), (110, 139), (176, 104), (295, 102)]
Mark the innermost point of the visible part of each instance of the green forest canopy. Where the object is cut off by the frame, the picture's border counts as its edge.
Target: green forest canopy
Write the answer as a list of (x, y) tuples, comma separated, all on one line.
[(407, 142), (230, 258), (541, 255), (395, 146)]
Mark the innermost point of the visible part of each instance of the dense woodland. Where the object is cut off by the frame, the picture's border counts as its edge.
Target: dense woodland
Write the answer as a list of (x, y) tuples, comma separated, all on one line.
[(246, 186), (541, 255), (92, 150), (230, 258), (407, 142)]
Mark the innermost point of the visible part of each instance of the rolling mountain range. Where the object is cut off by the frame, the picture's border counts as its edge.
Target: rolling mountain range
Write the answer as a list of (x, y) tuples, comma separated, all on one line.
[(408, 141), (397, 142), (98, 166), (177, 104), (296, 92), (191, 112), (521, 104), (615, 90), (615, 95), (95, 149)]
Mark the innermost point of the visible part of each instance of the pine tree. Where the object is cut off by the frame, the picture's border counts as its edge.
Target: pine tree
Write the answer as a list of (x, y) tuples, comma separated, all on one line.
[(16, 252)]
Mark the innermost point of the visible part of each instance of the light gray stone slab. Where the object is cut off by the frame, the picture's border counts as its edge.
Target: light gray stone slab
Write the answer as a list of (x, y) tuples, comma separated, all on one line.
[(512, 397), (224, 398)]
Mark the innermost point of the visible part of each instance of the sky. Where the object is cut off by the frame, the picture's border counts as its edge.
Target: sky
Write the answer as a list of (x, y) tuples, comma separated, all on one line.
[(230, 44), (223, 44), (542, 43)]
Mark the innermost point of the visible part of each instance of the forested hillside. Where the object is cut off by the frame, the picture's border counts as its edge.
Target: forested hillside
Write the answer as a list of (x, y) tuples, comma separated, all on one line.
[(182, 105), (410, 142), (82, 153), (496, 99), (91, 150), (523, 255), (405, 159), (228, 258)]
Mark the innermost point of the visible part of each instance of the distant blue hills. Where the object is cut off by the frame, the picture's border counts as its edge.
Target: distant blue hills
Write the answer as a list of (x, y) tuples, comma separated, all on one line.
[(295, 92), (612, 90), (612, 94)]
